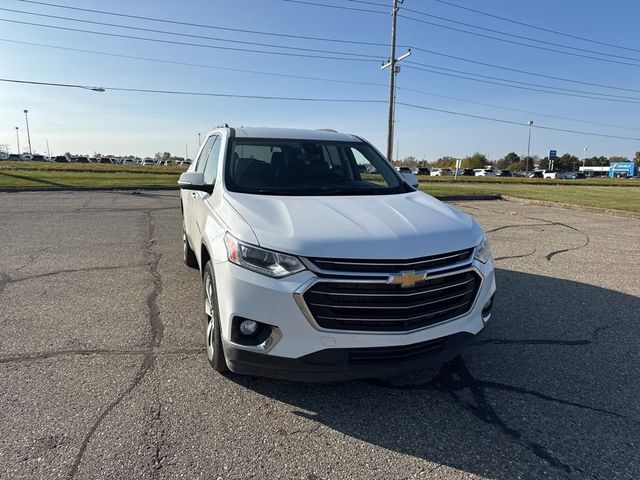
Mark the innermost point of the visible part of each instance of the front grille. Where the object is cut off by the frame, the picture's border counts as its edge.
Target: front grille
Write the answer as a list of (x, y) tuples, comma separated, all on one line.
[(393, 266), (378, 306), (399, 354)]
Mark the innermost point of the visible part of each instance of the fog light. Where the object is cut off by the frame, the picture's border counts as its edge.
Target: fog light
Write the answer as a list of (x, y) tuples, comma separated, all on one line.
[(248, 327)]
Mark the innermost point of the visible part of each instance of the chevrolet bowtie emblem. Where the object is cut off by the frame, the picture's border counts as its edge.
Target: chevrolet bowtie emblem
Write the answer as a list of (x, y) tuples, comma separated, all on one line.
[(407, 279)]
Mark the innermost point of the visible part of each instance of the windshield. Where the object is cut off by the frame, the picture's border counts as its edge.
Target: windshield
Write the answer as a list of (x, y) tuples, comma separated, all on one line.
[(298, 167)]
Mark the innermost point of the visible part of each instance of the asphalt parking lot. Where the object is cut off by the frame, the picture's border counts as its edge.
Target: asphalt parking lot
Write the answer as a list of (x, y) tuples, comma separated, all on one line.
[(103, 374)]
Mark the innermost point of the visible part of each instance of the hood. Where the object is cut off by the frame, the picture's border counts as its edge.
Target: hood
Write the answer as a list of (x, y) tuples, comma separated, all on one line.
[(403, 226)]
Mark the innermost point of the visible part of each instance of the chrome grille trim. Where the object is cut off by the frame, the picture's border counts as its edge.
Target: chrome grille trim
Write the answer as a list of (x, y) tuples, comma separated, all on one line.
[(389, 266), (299, 299)]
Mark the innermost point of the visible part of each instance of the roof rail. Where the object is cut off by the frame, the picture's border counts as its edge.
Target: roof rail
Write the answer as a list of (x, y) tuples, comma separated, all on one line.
[(326, 130), (223, 125)]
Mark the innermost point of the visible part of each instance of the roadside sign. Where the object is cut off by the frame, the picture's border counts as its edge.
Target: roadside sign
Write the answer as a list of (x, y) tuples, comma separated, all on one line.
[(553, 154)]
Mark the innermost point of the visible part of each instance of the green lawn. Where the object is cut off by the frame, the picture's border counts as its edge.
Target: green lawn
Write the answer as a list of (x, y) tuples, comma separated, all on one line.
[(613, 197), (63, 179), (602, 193)]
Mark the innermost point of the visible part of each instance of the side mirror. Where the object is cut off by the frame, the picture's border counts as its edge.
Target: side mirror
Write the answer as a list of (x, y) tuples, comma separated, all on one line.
[(194, 181)]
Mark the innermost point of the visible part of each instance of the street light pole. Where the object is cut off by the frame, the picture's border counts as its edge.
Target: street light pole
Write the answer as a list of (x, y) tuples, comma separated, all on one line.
[(28, 135), (584, 158), (18, 139), (199, 141), (526, 168)]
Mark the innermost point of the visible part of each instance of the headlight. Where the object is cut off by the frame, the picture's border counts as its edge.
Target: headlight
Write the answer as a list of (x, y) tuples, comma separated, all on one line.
[(483, 251), (266, 262)]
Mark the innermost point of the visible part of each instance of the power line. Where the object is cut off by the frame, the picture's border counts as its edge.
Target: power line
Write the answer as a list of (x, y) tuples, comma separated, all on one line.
[(201, 25), (514, 42), (341, 7), (321, 79), (201, 94), (492, 37), (312, 99), (499, 120), (511, 69), (189, 44), (518, 110), (522, 37), (244, 42), (536, 27), (314, 38), (189, 64), (500, 81)]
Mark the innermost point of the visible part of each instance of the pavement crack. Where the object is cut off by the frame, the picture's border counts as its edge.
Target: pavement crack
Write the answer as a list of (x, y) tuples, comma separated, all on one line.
[(150, 353), (482, 409), (515, 256), (73, 270), (4, 280), (455, 377), (61, 353), (549, 398), (27, 357), (517, 225)]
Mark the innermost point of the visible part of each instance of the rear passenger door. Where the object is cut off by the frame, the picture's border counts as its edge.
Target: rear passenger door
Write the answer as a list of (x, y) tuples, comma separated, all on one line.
[(189, 197), (210, 171)]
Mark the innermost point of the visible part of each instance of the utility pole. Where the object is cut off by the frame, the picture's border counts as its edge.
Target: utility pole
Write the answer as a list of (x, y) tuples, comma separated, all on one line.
[(28, 134), (526, 168), (393, 71), (18, 139), (199, 141), (48, 151)]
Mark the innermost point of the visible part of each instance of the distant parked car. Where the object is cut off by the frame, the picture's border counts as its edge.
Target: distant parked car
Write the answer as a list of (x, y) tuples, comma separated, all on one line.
[(551, 174), (38, 158), (422, 171), (128, 161), (148, 162), (468, 172), (14, 157), (504, 173), (82, 160), (536, 174), (573, 176), (484, 172), (105, 160), (61, 159), (440, 172)]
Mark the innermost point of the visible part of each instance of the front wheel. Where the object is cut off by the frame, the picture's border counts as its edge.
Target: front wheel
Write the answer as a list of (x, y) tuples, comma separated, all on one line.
[(215, 353)]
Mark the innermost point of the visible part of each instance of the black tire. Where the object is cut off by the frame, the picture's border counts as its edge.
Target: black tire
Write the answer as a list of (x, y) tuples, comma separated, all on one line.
[(213, 336), (188, 255)]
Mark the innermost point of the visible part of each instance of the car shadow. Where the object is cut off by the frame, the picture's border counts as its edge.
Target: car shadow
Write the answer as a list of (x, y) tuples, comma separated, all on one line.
[(548, 391)]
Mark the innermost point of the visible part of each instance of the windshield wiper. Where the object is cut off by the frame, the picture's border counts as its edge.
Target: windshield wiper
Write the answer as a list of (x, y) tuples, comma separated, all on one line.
[(344, 191)]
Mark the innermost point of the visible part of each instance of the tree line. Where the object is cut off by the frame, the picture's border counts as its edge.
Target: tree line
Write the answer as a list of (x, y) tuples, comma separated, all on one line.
[(514, 162)]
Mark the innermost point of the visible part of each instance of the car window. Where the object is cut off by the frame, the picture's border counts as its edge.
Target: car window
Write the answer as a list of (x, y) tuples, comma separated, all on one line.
[(204, 153), (300, 167), (211, 164)]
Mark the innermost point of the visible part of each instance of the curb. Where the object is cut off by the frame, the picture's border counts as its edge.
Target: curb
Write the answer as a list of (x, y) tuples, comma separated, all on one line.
[(569, 206), (467, 198), (88, 189)]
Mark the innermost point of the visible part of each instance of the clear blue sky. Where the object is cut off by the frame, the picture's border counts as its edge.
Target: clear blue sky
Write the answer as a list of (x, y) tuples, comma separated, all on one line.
[(83, 121)]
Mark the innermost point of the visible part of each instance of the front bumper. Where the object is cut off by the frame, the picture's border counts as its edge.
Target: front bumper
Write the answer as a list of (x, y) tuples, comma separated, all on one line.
[(337, 364), (302, 351)]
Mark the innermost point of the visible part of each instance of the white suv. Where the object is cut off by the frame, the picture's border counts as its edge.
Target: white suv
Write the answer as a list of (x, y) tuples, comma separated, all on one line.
[(320, 263)]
